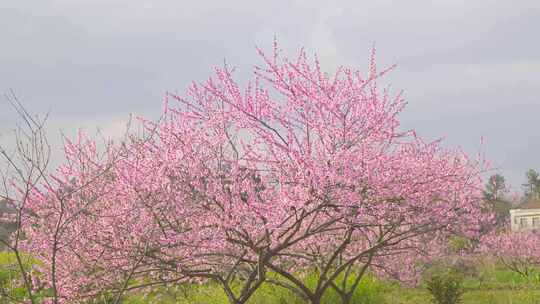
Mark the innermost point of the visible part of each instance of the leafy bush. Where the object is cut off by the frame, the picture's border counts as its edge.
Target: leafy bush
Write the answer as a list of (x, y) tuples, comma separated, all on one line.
[(446, 287)]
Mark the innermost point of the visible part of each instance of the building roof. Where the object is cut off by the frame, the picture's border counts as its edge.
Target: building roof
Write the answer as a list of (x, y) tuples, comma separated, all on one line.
[(530, 204)]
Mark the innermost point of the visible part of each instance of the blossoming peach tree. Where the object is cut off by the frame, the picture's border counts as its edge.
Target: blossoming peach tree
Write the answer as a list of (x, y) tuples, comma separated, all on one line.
[(298, 171), (518, 251)]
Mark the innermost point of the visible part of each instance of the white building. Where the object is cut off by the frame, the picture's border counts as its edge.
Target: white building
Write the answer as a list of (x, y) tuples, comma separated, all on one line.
[(526, 216)]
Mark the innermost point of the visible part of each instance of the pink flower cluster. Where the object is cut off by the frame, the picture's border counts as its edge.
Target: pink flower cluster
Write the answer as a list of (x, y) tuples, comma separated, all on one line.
[(519, 251)]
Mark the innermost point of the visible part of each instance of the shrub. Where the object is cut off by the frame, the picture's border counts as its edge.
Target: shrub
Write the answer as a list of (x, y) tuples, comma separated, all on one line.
[(446, 287)]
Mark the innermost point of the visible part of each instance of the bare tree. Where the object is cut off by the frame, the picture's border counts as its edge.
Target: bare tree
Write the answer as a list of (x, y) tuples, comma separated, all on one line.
[(25, 168)]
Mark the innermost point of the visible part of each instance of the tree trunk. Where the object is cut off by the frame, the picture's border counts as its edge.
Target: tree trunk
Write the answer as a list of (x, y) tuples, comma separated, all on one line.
[(346, 298)]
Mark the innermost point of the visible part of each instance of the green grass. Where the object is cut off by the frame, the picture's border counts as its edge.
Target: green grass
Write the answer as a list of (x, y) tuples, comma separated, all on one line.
[(493, 284), (501, 296), (490, 284), (369, 292), (375, 292), (11, 286)]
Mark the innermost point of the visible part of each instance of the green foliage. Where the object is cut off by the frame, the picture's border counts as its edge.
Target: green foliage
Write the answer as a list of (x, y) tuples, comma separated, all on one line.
[(12, 288), (495, 187), (486, 296), (496, 276), (492, 284), (6, 228), (499, 286), (370, 291), (446, 287), (494, 195), (532, 187), (104, 299), (458, 244)]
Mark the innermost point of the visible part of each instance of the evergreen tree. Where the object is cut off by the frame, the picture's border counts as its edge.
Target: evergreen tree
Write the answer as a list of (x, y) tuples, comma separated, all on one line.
[(532, 187), (494, 194)]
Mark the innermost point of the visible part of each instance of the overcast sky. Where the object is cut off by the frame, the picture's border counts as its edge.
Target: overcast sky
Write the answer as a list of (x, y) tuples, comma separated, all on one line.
[(469, 68)]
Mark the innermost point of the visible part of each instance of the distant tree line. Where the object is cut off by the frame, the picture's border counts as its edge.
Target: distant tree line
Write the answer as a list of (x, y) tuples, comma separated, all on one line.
[(6, 226), (496, 194)]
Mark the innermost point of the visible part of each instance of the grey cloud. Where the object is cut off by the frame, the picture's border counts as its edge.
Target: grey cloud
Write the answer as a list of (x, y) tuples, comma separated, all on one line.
[(469, 68)]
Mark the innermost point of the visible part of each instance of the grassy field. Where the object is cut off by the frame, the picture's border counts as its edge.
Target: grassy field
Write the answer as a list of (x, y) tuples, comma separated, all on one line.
[(492, 284), (488, 283), (381, 293)]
